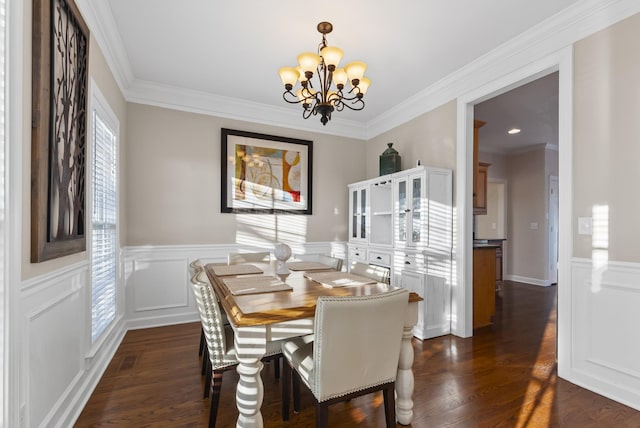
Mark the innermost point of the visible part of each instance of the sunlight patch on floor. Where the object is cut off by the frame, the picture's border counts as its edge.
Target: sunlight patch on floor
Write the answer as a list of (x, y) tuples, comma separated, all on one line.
[(538, 400)]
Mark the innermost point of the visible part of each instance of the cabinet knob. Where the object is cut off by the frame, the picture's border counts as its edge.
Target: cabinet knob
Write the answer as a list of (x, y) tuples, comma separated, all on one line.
[(357, 254), (407, 210), (407, 263), (379, 258)]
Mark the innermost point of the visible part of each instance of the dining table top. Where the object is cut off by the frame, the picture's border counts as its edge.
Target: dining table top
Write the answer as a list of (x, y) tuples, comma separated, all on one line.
[(272, 307)]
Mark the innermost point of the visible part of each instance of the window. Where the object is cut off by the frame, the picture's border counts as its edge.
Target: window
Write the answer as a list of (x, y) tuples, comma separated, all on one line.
[(104, 237)]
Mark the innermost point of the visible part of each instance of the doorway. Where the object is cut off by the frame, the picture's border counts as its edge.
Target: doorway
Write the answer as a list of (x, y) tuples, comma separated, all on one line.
[(462, 298)]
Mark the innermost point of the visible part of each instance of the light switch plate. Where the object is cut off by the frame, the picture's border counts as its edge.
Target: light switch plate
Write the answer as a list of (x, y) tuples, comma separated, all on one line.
[(585, 225)]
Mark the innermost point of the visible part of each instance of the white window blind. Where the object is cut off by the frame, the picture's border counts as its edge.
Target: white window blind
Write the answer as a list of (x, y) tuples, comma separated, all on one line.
[(103, 231)]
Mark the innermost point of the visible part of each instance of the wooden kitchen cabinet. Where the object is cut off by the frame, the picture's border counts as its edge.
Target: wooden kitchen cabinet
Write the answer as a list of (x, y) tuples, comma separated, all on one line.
[(479, 174), (499, 260), (484, 285), (480, 201)]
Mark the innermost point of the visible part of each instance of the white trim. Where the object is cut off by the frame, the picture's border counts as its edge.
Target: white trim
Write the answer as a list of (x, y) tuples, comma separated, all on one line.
[(99, 104), (99, 18), (527, 280), (15, 72), (176, 98), (462, 304)]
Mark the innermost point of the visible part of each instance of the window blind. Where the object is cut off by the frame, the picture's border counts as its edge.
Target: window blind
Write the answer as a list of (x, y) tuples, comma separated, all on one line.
[(103, 230)]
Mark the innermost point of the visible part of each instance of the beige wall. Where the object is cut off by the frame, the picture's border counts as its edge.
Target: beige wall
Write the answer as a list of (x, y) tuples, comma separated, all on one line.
[(173, 183), (607, 140), (498, 168), (526, 199), (99, 71), (430, 137)]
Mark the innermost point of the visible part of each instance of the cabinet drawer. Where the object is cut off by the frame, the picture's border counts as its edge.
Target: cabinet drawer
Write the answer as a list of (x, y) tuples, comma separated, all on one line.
[(379, 258), (358, 254), (410, 261)]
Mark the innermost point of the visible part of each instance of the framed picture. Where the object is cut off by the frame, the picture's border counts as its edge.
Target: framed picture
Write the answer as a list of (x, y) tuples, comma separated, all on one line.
[(265, 174), (60, 53)]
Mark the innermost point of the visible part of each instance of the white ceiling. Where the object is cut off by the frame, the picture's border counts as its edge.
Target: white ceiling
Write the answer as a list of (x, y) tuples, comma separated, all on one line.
[(532, 108), (234, 48)]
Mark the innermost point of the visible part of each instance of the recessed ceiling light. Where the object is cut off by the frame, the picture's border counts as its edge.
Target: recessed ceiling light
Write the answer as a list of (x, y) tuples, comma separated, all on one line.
[(513, 131)]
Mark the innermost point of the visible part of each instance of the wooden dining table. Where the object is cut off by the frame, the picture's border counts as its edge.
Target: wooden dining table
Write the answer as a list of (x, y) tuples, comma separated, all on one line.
[(275, 315)]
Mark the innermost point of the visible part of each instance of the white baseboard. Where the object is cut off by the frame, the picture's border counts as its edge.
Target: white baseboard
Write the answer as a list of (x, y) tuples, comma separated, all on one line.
[(526, 280)]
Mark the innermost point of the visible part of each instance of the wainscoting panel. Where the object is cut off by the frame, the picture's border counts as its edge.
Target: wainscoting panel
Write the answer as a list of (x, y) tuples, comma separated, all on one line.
[(605, 320), (157, 281), (54, 342), (153, 284)]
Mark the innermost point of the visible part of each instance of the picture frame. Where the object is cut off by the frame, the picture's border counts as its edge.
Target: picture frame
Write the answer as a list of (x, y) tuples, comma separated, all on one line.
[(60, 61), (265, 174)]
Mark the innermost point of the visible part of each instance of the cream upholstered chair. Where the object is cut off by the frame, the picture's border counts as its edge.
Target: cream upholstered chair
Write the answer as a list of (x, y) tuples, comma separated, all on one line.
[(334, 262), (355, 352), (379, 273), (238, 258), (218, 337)]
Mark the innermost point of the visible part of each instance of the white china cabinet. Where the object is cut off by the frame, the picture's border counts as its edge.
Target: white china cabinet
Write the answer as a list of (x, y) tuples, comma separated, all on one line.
[(403, 221)]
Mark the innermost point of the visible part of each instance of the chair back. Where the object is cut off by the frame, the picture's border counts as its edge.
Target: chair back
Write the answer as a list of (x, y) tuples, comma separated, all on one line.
[(334, 262), (210, 316), (379, 273), (357, 342), (239, 258)]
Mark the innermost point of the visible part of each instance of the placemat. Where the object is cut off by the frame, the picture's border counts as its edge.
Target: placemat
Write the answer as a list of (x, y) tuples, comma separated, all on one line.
[(255, 285), (307, 265), (236, 270), (338, 279)]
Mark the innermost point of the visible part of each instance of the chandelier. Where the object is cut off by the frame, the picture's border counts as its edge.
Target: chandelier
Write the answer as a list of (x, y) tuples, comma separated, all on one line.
[(328, 94)]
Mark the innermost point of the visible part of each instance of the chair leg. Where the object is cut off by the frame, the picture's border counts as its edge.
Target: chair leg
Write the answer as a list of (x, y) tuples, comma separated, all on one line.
[(390, 405), (215, 397), (201, 348), (205, 360), (276, 367), (296, 391), (207, 379), (322, 415), (286, 389)]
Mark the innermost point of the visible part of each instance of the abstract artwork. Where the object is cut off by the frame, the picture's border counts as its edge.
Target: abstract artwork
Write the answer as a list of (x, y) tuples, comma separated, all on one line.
[(265, 174), (59, 119)]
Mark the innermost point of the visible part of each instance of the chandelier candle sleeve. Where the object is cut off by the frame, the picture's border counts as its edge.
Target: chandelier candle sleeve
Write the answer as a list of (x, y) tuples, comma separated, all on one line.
[(322, 82)]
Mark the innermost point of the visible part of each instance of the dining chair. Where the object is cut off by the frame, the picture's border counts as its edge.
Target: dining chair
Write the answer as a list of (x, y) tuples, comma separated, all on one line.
[(355, 352), (202, 349), (219, 339), (238, 258), (334, 262), (379, 273)]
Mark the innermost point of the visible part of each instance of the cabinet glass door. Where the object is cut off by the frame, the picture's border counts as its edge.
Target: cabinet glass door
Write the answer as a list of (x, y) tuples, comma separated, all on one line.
[(416, 209), (363, 213), (402, 211), (354, 214)]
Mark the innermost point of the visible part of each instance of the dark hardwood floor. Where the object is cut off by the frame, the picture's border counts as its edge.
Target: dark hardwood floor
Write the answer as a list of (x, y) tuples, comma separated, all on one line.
[(505, 376)]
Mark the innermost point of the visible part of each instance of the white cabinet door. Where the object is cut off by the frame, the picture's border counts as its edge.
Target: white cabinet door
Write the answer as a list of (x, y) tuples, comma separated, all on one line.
[(411, 209), (358, 227), (437, 319), (414, 281)]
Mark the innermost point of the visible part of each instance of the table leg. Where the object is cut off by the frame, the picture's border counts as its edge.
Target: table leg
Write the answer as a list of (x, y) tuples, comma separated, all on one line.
[(250, 348), (404, 380)]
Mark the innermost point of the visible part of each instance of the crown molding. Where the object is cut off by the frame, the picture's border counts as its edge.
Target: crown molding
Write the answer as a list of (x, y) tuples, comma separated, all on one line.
[(99, 18), (557, 32), (172, 97)]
